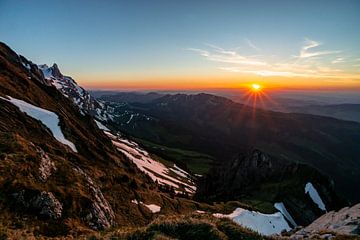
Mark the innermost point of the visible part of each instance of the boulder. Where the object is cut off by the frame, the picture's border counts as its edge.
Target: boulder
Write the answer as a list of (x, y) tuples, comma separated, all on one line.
[(43, 203)]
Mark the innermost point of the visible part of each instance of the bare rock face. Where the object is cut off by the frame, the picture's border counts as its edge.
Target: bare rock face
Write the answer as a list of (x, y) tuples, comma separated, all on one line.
[(43, 204), (33, 71), (48, 205), (346, 221), (47, 167), (249, 173), (245, 170), (56, 72), (100, 215)]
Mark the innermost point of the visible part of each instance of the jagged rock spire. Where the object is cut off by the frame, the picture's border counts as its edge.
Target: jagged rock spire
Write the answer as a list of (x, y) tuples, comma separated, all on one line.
[(55, 71)]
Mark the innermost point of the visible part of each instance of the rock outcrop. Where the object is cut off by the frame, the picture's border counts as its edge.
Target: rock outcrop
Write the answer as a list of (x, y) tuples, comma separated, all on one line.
[(47, 167), (268, 179), (33, 71), (343, 222), (43, 203), (99, 215)]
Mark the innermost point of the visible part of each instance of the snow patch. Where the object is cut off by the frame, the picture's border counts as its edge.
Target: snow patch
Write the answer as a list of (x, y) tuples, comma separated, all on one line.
[(131, 117), (26, 65), (281, 207), (48, 118), (200, 212), (314, 195), (265, 224), (101, 126), (179, 171), (152, 207), (174, 177)]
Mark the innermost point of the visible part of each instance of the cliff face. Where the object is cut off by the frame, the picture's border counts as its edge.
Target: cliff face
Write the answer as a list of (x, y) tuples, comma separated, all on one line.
[(257, 176)]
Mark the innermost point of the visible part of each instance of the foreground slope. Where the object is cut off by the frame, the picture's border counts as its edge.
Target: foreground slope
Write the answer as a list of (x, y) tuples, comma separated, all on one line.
[(59, 173)]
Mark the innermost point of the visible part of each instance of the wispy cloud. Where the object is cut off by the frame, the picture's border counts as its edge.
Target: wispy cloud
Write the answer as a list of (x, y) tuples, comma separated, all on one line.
[(270, 73), (252, 45), (338, 60), (307, 50), (218, 54), (309, 63)]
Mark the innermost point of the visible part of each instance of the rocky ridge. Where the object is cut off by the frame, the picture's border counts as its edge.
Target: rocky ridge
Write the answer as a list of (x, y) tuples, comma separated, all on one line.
[(252, 172)]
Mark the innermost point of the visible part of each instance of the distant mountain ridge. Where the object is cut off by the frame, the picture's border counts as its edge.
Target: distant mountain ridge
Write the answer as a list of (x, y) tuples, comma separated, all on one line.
[(222, 128), (130, 97), (350, 112)]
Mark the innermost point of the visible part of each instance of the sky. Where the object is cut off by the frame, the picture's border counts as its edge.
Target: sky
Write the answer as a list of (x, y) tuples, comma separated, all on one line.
[(190, 44)]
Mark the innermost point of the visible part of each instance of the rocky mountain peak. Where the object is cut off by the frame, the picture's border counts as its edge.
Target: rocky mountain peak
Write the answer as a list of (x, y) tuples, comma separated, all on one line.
[(70, 89), (55, 71)]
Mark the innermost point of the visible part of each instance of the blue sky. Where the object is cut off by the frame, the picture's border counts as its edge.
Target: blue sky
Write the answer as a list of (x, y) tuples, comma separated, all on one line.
[(141, 42)]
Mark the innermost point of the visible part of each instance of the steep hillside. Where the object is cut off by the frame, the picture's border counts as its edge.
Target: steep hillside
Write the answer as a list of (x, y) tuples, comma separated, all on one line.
[(57, 165)]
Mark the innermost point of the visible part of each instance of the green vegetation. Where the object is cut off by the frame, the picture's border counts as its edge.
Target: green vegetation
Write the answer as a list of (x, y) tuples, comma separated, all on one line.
[(196, 226), (196, 162)]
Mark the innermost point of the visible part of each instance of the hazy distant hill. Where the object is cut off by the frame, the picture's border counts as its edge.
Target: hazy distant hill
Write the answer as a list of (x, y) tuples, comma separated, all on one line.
[(349, 112), (316, 105), (130, 97)]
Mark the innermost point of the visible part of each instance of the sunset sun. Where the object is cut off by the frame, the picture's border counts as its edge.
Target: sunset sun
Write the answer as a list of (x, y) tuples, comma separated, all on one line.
[(255, 87)]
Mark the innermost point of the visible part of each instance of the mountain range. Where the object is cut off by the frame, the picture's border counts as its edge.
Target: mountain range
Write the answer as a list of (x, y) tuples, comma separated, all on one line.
[(161, 167), (221, 128)]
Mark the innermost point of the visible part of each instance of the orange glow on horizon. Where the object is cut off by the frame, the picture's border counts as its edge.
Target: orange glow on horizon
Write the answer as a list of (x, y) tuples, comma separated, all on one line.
[(213, 82)]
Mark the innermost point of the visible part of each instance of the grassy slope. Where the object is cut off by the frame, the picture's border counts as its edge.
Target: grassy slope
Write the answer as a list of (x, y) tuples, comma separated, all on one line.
[(196, 162), (182, 227)]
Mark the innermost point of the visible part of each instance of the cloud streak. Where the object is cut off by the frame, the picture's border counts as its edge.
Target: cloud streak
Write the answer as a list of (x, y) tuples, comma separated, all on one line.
[(252, 45), (310, 62), (306, 51), (338, 60), (217, 54)]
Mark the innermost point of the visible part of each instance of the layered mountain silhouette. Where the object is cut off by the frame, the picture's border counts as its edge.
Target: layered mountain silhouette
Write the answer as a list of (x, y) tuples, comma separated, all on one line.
[(222, 128)]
